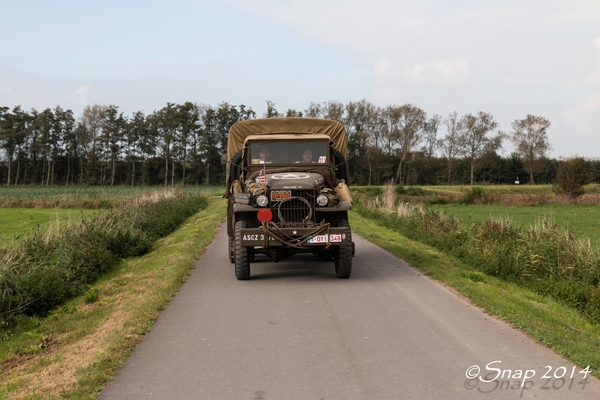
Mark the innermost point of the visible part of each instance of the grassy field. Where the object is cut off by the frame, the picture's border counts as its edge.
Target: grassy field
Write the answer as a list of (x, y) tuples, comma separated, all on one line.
[(582, 221), (93, 197), (505, 189), (17, 222), (23, 208)]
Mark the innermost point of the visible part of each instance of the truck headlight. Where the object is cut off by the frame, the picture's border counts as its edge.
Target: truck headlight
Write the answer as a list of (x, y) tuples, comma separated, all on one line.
[(322, 200), (262, 200)]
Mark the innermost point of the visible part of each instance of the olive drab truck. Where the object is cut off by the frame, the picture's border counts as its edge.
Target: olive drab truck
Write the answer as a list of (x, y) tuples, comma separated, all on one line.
[(287, 192)]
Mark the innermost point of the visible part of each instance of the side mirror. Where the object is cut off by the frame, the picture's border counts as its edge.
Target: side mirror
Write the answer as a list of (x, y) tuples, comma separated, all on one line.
[(223, 159)]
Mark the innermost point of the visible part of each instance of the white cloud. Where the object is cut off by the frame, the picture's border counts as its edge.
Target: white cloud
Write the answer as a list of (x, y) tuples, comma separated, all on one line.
[(5, 89), (585, 114), (79, 95), (450, 73), (594, 78)]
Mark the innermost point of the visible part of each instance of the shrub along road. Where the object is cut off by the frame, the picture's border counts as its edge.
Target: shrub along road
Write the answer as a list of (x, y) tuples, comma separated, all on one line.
[(295, 331)]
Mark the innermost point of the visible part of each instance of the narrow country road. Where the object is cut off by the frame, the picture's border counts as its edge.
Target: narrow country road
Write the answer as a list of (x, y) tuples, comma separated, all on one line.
[(295, 331)]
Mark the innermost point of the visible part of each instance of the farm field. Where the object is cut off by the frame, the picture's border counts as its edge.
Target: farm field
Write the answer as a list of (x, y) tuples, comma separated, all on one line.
[(504, 189), (86, 196), (15, 222), (582, 221), (23, 208)]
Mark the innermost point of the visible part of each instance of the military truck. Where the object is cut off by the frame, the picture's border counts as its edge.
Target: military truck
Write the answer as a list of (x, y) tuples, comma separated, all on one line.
[(287, 192)]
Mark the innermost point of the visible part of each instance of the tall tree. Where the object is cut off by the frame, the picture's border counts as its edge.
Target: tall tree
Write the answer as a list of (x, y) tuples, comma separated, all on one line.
[(333, 110), (44, 125), (430, 130), (71, 145), (360, 122), (314, 110), (136, 130), (196, 139), (429, 148), (168, 123), (113, 133), (452, 145), (292, 112), (92, 121), (189, 119), (477, 139), (530, 137), (411, 123), (271, 110), (11, 134)]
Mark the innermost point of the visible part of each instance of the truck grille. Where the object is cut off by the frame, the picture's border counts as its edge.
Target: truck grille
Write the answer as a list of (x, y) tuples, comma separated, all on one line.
[(297, 211)]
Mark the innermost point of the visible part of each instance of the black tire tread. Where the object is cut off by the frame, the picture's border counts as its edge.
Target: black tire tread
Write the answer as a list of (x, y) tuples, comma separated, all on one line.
[(231, 249), (242, 263), (343, 256)]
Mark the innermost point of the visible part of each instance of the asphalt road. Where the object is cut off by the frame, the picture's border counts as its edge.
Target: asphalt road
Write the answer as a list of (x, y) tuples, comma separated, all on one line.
[(295, 331)]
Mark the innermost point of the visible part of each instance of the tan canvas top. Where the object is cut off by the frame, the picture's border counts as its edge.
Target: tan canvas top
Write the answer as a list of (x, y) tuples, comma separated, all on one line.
[(272, 126)]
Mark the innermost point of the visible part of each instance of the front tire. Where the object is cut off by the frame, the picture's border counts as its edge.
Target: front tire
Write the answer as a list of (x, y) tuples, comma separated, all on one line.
[(242, 263), (231, 249), (343, 254)]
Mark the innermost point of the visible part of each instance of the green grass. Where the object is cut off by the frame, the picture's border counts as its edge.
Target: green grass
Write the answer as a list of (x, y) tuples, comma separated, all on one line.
[(77, 349), (17, 222), (556, 325), (582, 221)]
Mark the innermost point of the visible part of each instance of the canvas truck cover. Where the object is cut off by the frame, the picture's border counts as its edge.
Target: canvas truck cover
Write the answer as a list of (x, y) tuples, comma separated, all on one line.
[(271, 126)]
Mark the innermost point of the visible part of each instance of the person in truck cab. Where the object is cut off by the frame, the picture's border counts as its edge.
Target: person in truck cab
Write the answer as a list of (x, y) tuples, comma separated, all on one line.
[(264, 155), (306, 156)]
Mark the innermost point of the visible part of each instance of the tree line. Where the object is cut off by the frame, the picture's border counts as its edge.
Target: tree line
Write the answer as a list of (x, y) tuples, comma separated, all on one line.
[(183, 143)]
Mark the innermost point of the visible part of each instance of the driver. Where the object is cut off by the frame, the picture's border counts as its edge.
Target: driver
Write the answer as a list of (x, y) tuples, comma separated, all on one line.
[(264, 155), (306, 156)]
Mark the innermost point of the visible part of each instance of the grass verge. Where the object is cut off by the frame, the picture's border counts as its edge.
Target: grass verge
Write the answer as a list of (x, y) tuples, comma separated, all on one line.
[(75, 350), (557, 326)]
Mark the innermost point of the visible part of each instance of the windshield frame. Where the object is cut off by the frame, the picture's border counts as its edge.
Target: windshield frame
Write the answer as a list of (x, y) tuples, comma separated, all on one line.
[(288, 152)]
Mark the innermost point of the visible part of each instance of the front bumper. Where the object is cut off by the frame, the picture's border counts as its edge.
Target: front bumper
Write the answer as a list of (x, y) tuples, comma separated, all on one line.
[(256, 237)]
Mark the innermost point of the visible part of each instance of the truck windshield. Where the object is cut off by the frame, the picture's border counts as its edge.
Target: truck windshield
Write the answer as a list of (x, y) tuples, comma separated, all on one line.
[(289, 152)]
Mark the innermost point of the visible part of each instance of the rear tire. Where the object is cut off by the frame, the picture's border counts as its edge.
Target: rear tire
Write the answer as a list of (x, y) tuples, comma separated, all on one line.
[(343, 254), (242, 263)]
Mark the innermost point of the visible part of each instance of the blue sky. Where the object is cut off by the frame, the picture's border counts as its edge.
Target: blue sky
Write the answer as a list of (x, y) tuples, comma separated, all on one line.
[(509, 58)]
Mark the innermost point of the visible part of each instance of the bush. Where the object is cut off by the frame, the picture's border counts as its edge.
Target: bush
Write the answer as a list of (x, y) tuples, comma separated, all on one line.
[(438, 200), (373, 191), (411, 191), (571, 177), (471, 195)]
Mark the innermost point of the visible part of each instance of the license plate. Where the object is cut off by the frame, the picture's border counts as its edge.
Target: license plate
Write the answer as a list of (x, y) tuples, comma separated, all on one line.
[(333, 238), (278, 195)]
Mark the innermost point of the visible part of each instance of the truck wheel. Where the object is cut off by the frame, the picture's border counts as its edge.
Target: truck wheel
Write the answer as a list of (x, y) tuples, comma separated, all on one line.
[(242, 265), (343, 254), (231, 249)]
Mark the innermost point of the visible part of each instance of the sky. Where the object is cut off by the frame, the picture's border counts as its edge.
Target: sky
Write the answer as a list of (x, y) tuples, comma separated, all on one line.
[(509, 58)]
